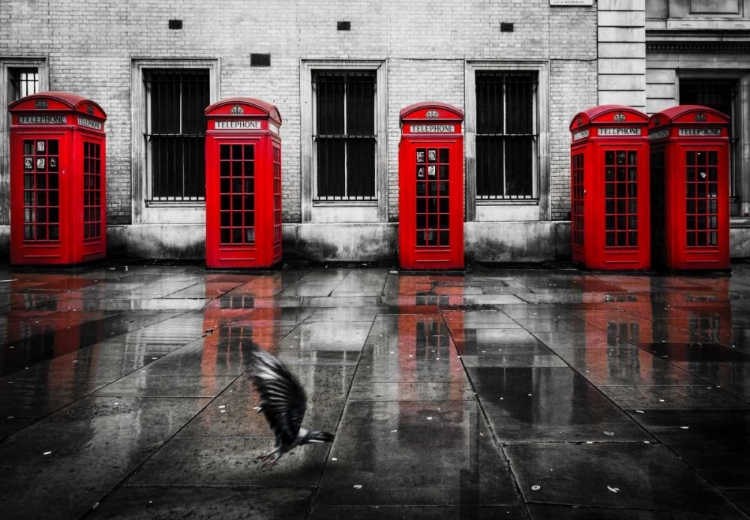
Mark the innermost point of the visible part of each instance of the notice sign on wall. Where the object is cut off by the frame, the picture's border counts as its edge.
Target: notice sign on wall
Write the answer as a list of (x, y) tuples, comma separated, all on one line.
[(573, 3)]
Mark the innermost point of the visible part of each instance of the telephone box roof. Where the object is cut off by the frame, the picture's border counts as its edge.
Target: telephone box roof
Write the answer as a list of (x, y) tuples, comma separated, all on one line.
[(73, 101)]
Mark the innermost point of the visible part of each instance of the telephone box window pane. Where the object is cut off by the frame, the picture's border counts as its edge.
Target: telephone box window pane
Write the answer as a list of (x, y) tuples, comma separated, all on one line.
[(621, 202), (277, 231), (344, 138), (506, 134), (701, 189), (40, 189), (92, 210), (237, 194), (432, 209), (175, 133)]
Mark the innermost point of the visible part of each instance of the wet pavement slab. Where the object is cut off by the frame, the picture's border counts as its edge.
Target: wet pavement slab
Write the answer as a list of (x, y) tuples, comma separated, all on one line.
[(415, 453), (494, 393), (618, 475)]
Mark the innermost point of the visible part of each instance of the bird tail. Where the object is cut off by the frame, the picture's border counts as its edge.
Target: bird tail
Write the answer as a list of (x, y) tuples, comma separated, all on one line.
[(316, 436)]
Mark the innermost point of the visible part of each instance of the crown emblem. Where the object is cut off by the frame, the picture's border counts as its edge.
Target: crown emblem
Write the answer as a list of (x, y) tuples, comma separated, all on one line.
[(237, 110)]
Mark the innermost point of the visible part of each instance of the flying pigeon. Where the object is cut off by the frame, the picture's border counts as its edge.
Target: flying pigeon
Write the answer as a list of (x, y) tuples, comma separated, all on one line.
[(283, 402)]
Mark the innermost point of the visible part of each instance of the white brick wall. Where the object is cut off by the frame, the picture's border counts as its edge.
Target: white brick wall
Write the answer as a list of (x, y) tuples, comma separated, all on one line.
[(568, 96), (90, 45)]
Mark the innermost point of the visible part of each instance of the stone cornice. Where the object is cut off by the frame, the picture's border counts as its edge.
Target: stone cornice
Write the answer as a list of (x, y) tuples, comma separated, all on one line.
[(697, 42)]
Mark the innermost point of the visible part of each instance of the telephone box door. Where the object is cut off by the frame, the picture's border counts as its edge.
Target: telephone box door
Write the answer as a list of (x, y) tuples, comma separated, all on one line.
[(431, 187), (690, 151), (243, 184)]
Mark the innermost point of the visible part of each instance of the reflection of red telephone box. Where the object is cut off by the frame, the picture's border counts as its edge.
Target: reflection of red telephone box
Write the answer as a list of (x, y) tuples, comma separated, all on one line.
[(431, 187), (243, 184), (610, 188), (57, 180), (690, 187)]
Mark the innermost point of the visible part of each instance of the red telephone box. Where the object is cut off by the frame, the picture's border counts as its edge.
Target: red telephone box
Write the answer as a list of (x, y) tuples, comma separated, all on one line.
[(243, 184), (57, 180), (610, 189), (690, 186), (431, 187)]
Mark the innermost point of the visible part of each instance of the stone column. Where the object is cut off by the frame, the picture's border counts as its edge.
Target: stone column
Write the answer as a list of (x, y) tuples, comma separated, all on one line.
[(622, 52)]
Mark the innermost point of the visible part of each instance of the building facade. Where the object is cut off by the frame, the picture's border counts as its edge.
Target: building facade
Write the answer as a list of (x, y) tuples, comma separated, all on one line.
[(339, 73)]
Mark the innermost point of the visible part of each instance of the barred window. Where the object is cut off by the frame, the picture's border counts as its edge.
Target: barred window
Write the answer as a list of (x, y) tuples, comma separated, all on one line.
[(23, 82), (175, 133), (345, 135), (506, 135)]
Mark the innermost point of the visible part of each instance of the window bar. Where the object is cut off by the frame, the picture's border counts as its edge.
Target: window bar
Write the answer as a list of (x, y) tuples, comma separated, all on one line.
[(180, 149), (534, 143), (187, 127), (173, 171), (346, 139), (505, 133), (162, 141), (322, 129), (357, 182), (326, 129)]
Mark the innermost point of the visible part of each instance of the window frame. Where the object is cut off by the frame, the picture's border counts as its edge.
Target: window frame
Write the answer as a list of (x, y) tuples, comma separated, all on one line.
[(739, 183), (679, 9), (161, 212), (6, 66), (488, 210), (151, 199), (344, 210), (317, 198), (506, 137)]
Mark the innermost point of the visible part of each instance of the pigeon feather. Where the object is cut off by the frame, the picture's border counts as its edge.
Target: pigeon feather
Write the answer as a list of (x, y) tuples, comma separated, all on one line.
[(282, 398)]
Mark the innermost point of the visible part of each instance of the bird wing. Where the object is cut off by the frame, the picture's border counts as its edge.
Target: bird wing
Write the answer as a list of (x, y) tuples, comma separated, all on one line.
[(282, 398)]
